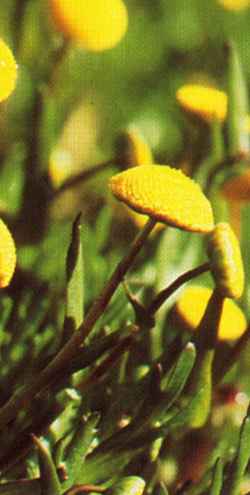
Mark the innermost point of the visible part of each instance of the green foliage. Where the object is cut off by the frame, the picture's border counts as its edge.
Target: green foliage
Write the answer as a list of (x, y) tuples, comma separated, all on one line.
[(98, 393)]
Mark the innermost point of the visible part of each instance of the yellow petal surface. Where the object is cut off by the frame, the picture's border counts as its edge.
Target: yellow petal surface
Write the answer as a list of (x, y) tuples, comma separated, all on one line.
[(237, 188), (191, 306), (226, 261), (206, 102), (165, 194), (7, 255), (96, 25), (8, 71)]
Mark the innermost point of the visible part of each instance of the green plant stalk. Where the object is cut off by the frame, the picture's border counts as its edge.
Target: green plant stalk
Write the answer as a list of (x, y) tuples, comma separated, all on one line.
[(22, 397), (168, 291)]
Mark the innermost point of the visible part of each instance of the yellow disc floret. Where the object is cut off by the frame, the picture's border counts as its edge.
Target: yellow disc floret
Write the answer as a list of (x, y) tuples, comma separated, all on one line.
[(190, 308), (165, 194), (205, 102), (226, 261), (96, 25), (7, 255), (8, 71)]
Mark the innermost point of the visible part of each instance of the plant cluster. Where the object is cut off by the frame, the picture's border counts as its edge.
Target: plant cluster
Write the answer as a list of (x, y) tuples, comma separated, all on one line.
[(120, 374)]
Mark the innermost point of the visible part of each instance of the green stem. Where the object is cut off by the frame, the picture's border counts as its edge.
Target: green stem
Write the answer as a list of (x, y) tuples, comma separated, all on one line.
[(77, 179), (168, 291), (22, 397)]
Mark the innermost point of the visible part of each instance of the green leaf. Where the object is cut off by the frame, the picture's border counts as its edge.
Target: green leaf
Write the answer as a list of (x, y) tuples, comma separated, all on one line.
[(75, 279), (238, 138), (240, 462), (78, 449), (131, 485), (217, 480), (50, 484), (177, 381), (199, 409)]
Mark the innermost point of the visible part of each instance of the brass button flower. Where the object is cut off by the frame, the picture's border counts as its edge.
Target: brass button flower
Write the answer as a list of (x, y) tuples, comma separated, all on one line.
[(166, 195), (226, 261), (95, 24)]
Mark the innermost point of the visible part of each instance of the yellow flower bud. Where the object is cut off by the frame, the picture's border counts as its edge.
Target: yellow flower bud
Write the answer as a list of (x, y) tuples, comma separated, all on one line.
[(205, 102), (190, 308), (226, 261), (133, 149), (165, 194), (96, 25), (7, 255), (234, 5), (8, 71)]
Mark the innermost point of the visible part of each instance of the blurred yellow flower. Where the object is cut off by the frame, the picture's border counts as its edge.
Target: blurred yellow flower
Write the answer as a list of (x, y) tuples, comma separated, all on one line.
[(7, 255), (133, 149), (190, 308), (165, 194), (234, 4), (205, 102), (8, 71), (96, 25)]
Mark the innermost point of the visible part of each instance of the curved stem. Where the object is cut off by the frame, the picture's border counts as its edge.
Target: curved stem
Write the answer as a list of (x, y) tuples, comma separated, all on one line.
[(22, 397), (168, 291), (77, 179), (225, 163)]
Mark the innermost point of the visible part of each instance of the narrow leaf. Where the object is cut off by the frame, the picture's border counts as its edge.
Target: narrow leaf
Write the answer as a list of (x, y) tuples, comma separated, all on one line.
[(240, 462), (238, 139), (50, 484), (78, 449), (217, 480), (75, 278)]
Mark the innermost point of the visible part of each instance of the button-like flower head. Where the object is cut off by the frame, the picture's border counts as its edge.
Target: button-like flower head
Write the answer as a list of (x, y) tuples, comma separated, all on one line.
[(226, 261), (165, 194), (7, 255), (8, 71), (205, 102), (96, 25)]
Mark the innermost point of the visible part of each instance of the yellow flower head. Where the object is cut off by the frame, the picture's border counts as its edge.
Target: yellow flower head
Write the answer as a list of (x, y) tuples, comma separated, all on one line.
[(7, 255), (96, 25), (133, 149), (8, 71), (165, 194), (226, 261), (237, 188), (190, 308), (234, 5), (205, 102)]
